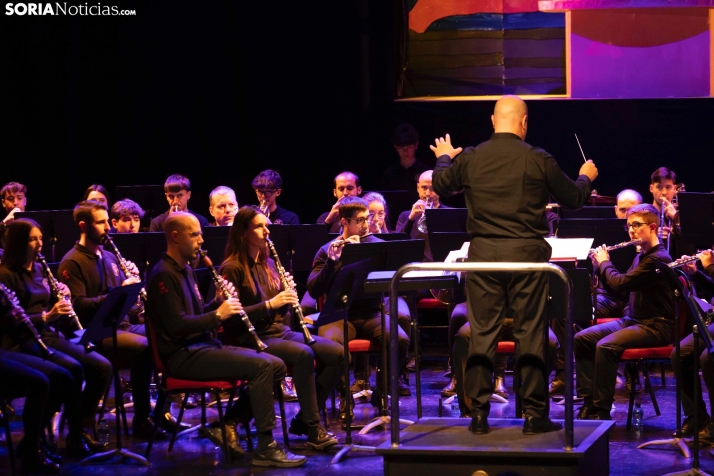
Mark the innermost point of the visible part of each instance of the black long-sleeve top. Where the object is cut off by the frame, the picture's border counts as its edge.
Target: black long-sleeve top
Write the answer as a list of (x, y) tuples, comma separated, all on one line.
[(176, 309), (650, 294), (265, 321), (323, 274), (157, 224), (89, 279), (704, 280), (506, 183), (33, 293)]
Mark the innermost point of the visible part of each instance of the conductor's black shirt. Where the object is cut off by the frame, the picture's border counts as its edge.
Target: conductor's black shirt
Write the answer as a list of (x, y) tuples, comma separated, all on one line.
[(506, 184)]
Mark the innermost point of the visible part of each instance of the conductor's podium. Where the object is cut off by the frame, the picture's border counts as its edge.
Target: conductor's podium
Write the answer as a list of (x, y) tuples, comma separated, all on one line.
[(434, 446)]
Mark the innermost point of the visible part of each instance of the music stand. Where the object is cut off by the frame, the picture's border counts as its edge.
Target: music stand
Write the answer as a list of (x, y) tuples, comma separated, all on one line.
[(442, 243), (59, 225), (104, 324), (442, 220)]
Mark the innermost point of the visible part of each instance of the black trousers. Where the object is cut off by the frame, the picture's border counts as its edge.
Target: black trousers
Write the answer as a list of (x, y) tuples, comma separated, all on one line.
[(609, 305), (365, 327), (312, 389), (488, 297), (132, 353), (685, 373), (44, 384), (598, 349), (210, 360)]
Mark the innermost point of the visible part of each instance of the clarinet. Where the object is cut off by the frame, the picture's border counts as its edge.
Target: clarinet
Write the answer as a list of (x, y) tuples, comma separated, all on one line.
[(218, 281), (18, 314), (682, 261), (125, 267), (54, 287), (309, 340)]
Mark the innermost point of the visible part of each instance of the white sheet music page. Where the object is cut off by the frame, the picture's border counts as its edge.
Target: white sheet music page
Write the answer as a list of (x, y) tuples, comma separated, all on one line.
[(570, 248)]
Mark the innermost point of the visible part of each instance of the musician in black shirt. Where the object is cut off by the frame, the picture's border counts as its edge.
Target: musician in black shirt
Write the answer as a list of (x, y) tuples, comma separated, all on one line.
[(346, 185), (648, 323), (177, 189), (507, 184), (185, 338)]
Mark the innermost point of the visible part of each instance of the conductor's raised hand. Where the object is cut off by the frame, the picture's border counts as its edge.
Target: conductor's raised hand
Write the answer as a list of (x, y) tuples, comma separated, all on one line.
[(229, 307), (589, 169), (443, 147)]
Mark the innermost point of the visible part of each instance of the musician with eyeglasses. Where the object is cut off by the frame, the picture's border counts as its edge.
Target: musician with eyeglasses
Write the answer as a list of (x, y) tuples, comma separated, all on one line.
[(255, 275), (177, 189), (268, 187), (223, 206), (364, 318), (688, 360), (21, 273), (346, 185), (647, 324)]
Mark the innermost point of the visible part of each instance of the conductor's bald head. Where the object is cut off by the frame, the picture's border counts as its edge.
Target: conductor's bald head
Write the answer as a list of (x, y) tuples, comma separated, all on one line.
[(510, 115), (183, 237)]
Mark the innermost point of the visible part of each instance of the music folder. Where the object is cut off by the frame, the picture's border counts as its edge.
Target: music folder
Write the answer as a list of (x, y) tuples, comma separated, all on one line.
[(115, 306), (569, 248)]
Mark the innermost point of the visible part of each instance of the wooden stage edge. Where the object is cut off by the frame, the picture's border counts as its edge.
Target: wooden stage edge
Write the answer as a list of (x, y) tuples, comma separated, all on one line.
[(531, 97), (433, 445)]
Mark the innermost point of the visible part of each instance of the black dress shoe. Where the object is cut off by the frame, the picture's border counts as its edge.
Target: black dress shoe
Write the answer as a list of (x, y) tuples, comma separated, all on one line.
[(535, 425), (36, 463), (479, 425), (76, 447), (688, 425), (93, 444), (706, 434), (167, 422), (144, 428), (276, 456), (299, 427), (318, 438), (584, 412), (449, 390), (557, 387), (342, 415)]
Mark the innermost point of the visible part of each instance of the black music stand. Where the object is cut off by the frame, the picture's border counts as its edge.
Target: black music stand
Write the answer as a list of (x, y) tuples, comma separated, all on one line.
[(345, 286), (59, 225), (588, 212), (444, 220), (297, 244), (104, 324), (391, 236), (151, 198), (214, 240), (442, 243), (143, 249)]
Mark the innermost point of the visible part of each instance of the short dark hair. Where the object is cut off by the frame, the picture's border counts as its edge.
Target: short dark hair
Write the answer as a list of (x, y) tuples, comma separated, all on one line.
[(12, 187), (647, 211), (351, 205), (96, 187), (126, 207), (84, 209), (266, 179), (175, 183), (663, 173), (405, 134), (346, 173)]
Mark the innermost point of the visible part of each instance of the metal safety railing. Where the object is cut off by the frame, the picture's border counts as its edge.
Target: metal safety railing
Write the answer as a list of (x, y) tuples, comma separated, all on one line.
[(483, 267)]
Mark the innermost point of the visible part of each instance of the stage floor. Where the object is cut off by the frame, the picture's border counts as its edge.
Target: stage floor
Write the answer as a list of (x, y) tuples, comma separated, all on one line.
[(197, 456)]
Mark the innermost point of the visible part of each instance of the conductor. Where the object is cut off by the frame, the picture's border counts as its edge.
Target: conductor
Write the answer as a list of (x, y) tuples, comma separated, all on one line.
[(507, 183)]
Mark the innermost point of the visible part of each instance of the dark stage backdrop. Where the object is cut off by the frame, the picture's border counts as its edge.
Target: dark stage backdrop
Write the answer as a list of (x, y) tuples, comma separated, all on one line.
[(219, 91)]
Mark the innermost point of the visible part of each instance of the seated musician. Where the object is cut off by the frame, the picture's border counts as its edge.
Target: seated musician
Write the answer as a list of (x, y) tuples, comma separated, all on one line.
[(346, 185), (409, 219), (27, 278), (184, 333), (663, 186), (648, 323), (223, 206), (268, 186), (98, 193), (177, 189), (14, 199), (364, 314), (126, 216), (378, 213), (403, 176), (90, 272), (687, 361), (249, 267)]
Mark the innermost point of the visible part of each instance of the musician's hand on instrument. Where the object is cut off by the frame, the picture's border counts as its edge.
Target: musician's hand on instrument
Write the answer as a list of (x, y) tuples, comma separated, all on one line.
[(284, 297), (589, 169), (64, 289), (670, 211), (220, 297), (334, 251), (229, 307), (689, 268), (11, 216), (601, 254), (131, 280), (443, 147), (289, 278), (417, 210), (61, 308), (706, 258), (132, 268), (665, 232)]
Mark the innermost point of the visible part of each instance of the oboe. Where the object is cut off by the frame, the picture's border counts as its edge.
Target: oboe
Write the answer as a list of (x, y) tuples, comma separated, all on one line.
[(54, 287), (309, 340), (124, 265), (18, 313), (682, 261), (218, 281)]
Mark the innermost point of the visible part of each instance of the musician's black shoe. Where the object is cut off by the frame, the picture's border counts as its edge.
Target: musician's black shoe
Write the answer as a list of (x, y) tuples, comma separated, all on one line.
[(76, 447), (274, 455), (706, 434), (360, 385), (36, 463), (479, 425), (449, 390), (557, 387), (93, 444), (535, 425), (688, 428), (144, 428), (318, 438), (167, 422), (342, 415), (299, 427), (584, 412)]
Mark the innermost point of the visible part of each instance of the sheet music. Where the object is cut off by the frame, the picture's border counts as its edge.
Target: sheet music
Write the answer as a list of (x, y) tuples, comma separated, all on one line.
[(462, 252), (570, 248)]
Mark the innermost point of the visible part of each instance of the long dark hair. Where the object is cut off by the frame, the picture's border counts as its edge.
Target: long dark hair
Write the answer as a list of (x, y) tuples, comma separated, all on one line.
[(17, 237), (95, 187), (237, 249)]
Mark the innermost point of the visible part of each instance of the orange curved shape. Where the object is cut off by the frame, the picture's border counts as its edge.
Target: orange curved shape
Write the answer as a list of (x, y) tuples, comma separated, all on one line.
[(425, 12)]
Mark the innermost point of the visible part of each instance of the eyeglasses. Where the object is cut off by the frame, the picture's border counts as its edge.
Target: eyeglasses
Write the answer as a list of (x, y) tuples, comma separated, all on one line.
[(379, 215), (359, 221), (635, 225), (266, 192)]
